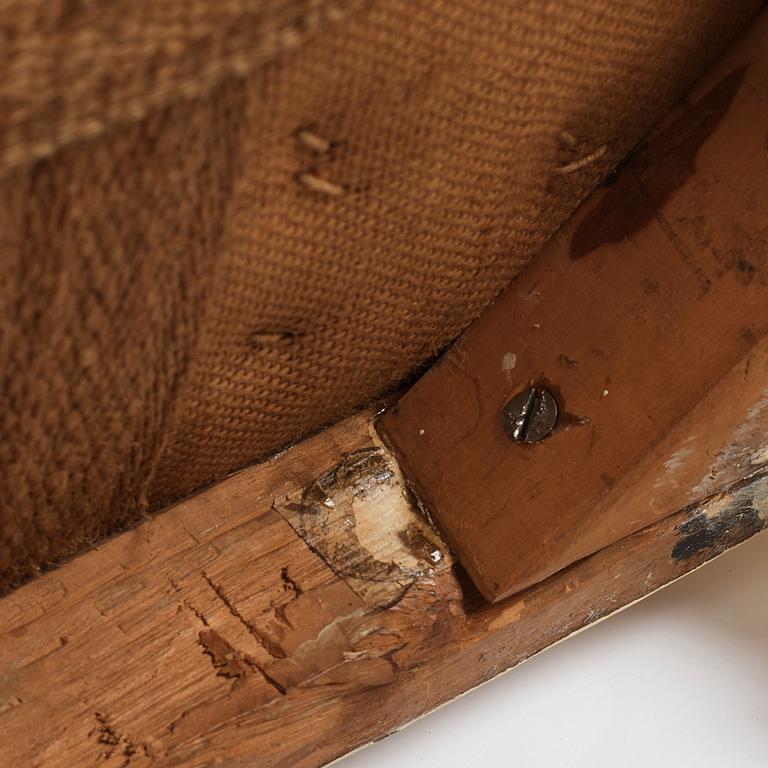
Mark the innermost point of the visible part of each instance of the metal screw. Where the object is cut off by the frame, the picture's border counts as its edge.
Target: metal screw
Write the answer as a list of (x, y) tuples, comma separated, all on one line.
[(530, 416)]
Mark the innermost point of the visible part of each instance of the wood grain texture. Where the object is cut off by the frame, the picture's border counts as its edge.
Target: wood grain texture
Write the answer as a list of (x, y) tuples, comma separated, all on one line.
[(647, 317), (292, 613)]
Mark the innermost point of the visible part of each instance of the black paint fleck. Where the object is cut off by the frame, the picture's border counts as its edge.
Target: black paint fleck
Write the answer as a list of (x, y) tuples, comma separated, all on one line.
[(702, 534)]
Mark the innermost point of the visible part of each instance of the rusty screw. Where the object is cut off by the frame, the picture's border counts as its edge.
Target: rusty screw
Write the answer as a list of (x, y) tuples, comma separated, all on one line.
[(530, 416)]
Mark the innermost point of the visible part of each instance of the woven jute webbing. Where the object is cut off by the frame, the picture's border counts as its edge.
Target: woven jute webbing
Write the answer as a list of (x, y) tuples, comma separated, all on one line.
[(224, 224)]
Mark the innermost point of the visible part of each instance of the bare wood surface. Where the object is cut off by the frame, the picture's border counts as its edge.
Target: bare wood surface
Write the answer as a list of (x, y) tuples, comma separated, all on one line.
[(647, 318), (298, 610)]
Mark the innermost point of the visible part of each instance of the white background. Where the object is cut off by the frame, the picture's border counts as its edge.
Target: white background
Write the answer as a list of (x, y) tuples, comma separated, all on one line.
[(678, 680)]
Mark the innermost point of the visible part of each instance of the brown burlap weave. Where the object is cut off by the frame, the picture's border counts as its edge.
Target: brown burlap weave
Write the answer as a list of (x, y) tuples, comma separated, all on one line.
[(224, 224)]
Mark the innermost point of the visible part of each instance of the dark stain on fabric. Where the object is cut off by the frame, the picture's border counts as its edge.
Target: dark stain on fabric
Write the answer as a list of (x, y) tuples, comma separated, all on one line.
[(655, 172)]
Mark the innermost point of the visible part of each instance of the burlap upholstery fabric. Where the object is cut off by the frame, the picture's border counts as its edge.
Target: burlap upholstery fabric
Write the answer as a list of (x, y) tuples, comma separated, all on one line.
[(225, 224)]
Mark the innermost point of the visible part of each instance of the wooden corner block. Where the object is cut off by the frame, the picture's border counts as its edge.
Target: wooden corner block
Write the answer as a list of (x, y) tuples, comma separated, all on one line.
[(646, 318)]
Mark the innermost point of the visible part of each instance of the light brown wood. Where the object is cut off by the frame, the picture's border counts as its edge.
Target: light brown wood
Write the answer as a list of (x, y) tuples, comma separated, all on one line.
[(304, 607), (298, 610), (647, 317)]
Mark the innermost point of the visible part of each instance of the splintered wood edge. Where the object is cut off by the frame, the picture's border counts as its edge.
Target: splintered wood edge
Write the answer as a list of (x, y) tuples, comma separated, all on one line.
[(295, 612)]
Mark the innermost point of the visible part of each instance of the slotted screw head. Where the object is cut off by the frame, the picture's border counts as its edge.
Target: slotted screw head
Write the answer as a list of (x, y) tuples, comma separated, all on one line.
[(530, 415)]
